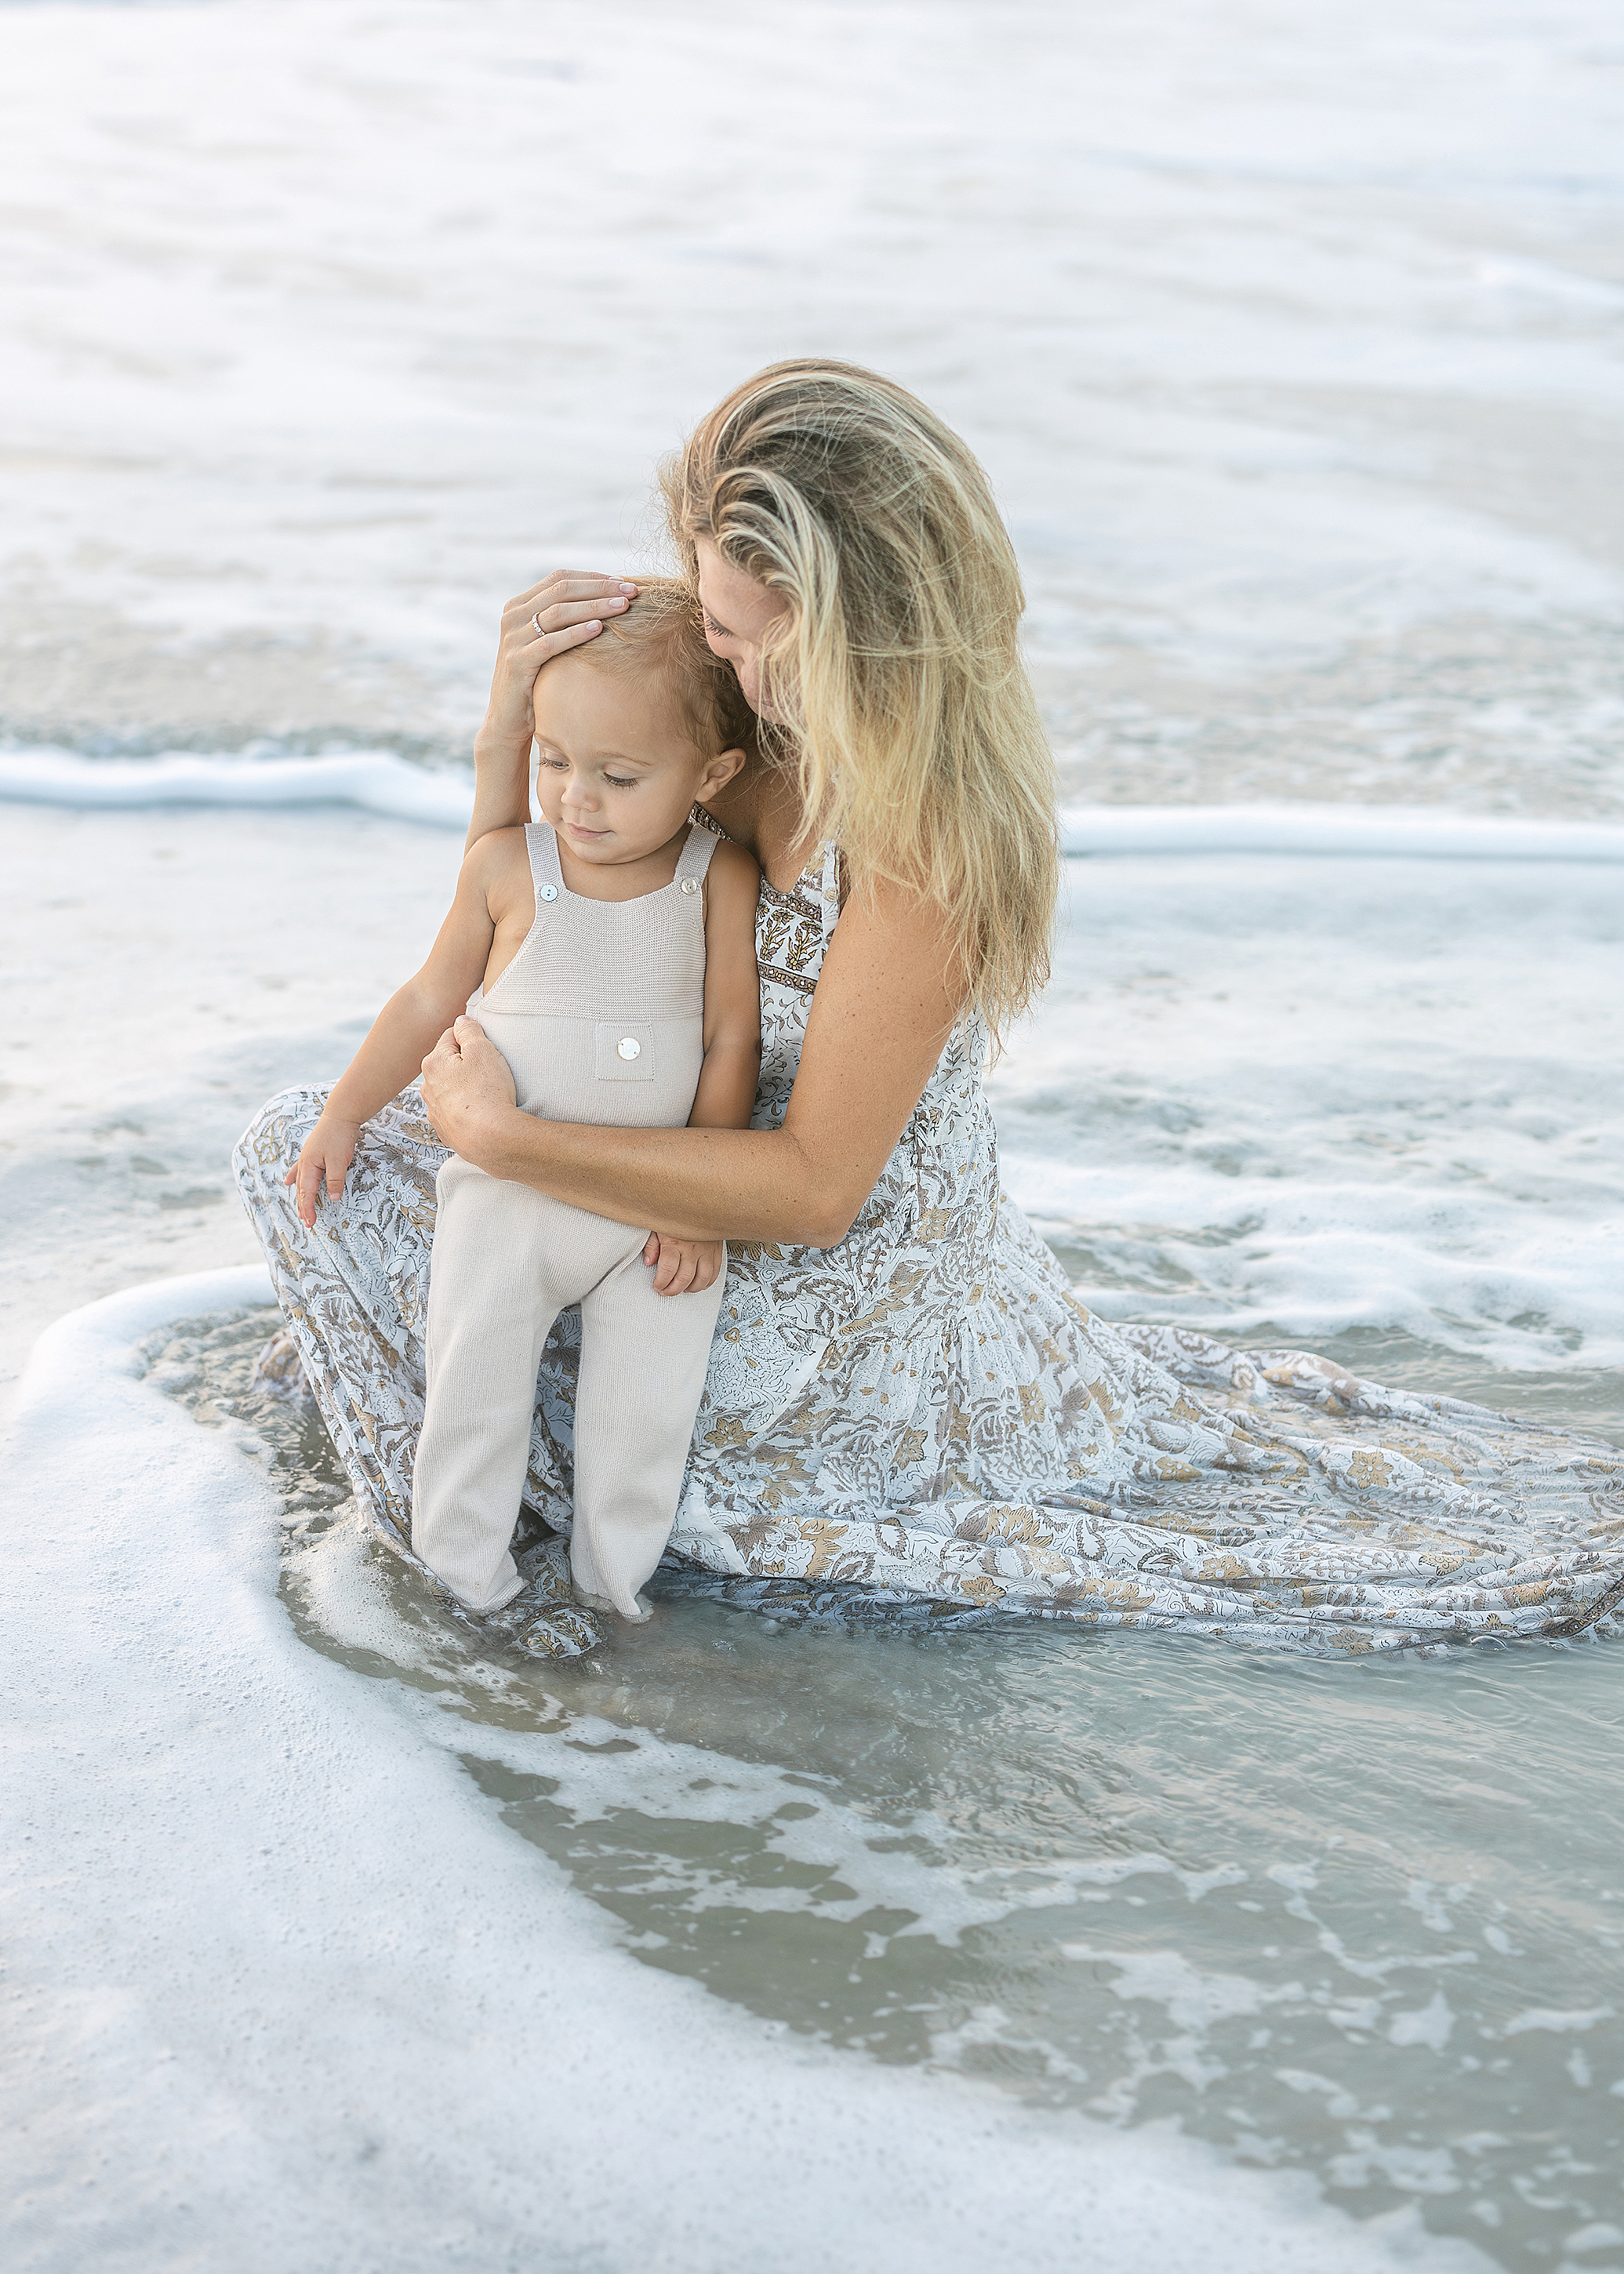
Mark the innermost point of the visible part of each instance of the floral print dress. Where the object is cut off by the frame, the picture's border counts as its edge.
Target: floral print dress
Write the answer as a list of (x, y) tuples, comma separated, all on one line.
[(922, 1421)]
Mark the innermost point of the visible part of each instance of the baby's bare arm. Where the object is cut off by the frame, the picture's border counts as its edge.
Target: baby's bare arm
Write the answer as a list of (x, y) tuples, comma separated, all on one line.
[(417, 1014), (413, 1019), (726, 1098)]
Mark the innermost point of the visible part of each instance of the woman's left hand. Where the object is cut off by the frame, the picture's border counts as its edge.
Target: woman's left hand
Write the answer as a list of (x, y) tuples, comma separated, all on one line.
[(467, 1088)]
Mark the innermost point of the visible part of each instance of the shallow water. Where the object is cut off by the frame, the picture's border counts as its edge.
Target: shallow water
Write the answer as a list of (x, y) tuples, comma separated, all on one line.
[(1290, 1101), (1362, 1919), (1361, 1922), (1288, 335)]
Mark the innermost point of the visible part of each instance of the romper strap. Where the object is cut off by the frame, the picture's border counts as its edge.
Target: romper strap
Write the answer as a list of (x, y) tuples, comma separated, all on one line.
[(695, 857), (547, 875)]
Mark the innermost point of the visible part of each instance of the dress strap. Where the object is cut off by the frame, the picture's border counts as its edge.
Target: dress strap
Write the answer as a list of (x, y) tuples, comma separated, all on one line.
[(830, 896), (695, 857), (542, 846)]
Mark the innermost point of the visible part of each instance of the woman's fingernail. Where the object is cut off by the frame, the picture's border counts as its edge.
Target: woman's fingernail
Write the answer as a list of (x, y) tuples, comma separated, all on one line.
[(624, 587)]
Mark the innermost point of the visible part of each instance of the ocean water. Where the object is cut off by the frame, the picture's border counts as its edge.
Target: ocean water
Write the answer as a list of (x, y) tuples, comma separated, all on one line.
[(1288, 334), (1291, 336)]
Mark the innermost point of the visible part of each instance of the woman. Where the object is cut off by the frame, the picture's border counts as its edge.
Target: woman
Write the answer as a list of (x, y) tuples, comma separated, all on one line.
[(906, 1408)]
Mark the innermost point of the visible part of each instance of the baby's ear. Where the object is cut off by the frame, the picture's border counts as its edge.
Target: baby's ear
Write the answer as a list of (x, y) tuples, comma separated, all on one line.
[(720, 771)]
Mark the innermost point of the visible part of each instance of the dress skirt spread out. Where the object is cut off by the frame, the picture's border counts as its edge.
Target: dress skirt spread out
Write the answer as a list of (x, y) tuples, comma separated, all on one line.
[(923, 1419)]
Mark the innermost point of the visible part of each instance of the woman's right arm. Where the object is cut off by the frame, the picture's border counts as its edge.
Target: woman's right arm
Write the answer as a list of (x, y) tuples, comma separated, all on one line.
[(570, 606), (887, 997)]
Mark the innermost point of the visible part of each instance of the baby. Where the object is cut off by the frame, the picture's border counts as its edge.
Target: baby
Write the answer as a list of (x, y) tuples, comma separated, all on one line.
[(610, 950)]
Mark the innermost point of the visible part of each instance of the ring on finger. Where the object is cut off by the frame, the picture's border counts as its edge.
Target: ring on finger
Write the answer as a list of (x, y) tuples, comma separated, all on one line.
[(535, 619)]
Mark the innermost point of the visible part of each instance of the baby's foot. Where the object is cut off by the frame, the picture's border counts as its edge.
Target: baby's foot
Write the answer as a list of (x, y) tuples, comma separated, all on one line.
[(639, 1617), (541, 1620)]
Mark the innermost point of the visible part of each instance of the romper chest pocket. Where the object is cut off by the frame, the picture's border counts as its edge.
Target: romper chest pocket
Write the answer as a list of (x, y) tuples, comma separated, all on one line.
[(624, 1051)]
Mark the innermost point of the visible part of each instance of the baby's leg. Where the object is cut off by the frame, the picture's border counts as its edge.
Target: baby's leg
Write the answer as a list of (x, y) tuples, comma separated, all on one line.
[(506, 1262), (642, 1368)]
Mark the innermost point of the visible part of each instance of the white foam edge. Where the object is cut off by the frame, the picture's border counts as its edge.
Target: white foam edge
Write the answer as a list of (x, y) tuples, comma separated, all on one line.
[(1310, 1260), (374, 781), (378, 782), (1361, 832), (287, 1988), (672, 1781)]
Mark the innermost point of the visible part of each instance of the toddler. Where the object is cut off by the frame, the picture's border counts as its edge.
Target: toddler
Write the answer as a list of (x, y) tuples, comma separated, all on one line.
[(610, 950)]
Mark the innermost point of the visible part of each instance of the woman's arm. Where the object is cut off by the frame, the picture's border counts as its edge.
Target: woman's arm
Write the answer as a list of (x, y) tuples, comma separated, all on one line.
[(570, 606), (884, 1007)]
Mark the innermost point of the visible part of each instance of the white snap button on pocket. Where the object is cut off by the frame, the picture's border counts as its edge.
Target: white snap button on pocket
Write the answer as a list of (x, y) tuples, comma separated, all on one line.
[(690, 884), (549, 892), (628, 1047)]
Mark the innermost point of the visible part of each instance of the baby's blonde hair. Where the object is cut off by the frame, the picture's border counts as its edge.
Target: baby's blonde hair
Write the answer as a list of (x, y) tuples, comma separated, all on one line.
[(662, 634), (896, 666)]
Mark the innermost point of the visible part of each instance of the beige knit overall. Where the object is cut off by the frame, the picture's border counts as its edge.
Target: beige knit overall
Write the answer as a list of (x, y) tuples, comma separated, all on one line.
[(600, 1015)]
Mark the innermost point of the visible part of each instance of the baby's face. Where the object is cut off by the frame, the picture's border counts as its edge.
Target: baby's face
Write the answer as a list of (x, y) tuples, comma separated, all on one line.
[(616, 775)]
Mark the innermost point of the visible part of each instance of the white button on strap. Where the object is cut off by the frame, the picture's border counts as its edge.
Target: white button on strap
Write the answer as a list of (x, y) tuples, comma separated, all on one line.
[(690, 884), (549, 892), (629, 1047)]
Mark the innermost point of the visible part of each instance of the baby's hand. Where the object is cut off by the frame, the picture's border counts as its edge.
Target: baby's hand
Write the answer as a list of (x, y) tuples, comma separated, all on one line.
[(683, 1266), (328, 1152)]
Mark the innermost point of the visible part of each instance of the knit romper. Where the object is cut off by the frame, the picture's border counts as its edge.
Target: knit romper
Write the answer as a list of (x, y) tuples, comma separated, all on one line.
[(600, 1015)]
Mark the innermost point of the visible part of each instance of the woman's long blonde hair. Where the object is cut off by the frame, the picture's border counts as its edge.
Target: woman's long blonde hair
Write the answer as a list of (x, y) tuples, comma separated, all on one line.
[(897, 669)]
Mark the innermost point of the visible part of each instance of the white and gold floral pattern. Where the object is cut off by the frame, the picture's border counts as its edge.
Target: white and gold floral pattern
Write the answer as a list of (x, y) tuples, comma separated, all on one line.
[(922, 1420)]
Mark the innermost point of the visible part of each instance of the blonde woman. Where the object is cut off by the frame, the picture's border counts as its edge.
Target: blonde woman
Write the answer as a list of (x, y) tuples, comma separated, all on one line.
[(906, 1409)]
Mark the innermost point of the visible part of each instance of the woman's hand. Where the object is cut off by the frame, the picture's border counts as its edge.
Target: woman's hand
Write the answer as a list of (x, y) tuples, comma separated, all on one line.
[(564, 611), (469, 1091), (327, 1153), (468, 1088), (683, 1267)]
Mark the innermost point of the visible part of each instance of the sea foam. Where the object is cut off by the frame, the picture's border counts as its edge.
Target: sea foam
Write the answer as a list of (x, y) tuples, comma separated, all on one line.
[(373, 781), (381, 782), (303, 1998)]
